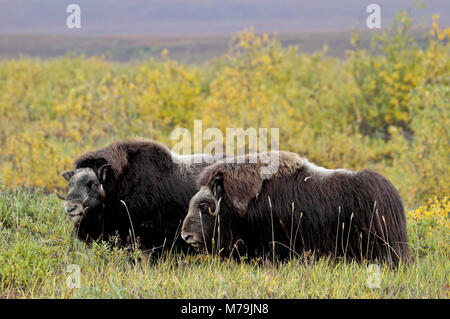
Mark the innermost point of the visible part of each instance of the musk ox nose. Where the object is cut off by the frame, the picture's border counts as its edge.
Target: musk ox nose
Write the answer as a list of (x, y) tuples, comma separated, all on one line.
[(186, 237), (70, 208)]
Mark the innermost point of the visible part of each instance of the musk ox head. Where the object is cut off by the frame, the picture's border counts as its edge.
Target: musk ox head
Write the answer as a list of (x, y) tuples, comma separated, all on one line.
[(86, 191), (227, 189), (198, 226)]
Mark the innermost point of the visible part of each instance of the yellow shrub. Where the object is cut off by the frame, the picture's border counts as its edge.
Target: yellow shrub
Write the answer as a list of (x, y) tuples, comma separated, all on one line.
[(434, 210), (385, 111)]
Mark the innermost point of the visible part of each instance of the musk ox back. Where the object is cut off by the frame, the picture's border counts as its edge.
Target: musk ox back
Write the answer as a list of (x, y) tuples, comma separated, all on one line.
[(300, 208), (136, 190)]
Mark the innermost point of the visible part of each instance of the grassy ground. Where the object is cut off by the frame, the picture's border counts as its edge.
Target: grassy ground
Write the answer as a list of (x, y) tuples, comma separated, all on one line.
[(36, 248)]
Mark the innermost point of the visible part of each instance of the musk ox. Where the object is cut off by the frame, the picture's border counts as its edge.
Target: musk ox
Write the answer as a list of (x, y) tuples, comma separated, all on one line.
[(300, 208), (135, 190)]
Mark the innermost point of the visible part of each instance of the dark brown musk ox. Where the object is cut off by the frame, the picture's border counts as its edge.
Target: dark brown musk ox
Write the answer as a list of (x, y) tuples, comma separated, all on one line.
[(301, 208), (136, 190)]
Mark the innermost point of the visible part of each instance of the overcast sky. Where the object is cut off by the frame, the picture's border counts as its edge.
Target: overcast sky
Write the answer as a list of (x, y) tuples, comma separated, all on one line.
[(197, 17)]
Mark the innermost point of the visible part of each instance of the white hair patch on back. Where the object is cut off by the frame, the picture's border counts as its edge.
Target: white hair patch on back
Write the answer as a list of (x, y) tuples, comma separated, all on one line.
[(324, 172)]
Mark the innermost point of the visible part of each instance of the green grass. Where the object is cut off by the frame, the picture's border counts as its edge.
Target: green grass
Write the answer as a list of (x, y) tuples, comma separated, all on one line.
[(36, 247)]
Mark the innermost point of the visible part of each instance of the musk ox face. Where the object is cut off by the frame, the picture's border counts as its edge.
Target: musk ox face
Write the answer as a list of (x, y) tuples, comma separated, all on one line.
[(198, 226), (86, 192)]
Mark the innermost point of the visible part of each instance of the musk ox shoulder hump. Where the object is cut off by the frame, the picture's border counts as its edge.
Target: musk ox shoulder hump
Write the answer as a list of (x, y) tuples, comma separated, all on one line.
[(239, 167), (288, 163), (118, 155), (243, 176)]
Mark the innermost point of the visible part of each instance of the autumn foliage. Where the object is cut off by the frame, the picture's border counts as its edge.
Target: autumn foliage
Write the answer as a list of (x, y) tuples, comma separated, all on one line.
[(385, 107)]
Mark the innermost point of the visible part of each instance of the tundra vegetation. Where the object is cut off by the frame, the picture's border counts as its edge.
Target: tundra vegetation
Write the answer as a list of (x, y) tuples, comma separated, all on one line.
[(384, 108)]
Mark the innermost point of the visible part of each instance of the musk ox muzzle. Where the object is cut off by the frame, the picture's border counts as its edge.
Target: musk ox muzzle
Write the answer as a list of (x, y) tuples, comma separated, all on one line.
[(75, 210)]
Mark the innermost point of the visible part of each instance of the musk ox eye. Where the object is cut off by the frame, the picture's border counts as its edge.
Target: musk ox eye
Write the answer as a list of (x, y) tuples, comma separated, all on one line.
[(203, 207), (92, 184)]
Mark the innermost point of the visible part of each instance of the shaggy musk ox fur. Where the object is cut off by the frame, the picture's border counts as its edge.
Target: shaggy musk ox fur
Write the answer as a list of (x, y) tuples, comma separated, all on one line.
[(301, 208), (154, 183)]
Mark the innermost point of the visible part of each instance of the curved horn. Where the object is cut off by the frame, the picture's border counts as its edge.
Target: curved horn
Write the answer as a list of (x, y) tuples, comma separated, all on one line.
[(85, 200), (60, 196), (102, 191), (216, 212)]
